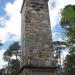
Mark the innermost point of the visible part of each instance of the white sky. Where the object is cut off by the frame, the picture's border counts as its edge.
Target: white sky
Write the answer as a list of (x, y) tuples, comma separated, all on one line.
[(55, 7), (13, 25)]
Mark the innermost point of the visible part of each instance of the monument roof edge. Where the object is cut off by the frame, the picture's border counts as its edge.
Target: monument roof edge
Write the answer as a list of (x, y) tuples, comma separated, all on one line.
[(22, 6)]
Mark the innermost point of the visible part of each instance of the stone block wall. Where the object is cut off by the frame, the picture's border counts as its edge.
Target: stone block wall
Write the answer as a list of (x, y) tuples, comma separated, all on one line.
[(36, 33)]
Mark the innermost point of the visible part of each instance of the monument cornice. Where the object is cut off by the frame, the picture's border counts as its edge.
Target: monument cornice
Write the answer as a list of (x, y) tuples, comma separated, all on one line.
[(36, 68)]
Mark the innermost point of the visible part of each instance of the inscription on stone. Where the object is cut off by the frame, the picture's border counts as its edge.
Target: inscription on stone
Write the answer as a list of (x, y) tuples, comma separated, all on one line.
[(37, 6)]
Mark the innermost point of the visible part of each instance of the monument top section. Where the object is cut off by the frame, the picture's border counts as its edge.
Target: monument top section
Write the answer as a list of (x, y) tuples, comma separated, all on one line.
[(32, 1)]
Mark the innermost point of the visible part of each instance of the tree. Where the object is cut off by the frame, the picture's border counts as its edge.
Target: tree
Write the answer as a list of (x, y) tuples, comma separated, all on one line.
[(68, 23), (14, 66), (7, 57), (59, 46), (69, 65), (2, 71), (12, 50)]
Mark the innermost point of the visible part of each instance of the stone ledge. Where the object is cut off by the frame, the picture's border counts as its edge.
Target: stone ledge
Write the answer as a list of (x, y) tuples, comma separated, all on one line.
[(38, 68)]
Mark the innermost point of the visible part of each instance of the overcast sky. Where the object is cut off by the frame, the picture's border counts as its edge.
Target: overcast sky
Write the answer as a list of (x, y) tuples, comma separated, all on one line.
[(10, 21)]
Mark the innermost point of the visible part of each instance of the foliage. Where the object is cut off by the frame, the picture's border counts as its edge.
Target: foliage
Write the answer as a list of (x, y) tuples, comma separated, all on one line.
[(13, 64), (59, 46), (12, 50), (68, 23), (69, 65), (72, 50), (13, 68), (14, 47), (2, 71), (68, 15)]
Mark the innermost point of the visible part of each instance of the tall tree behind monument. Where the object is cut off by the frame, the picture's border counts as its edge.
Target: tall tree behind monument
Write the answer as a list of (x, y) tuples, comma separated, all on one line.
[(37, 52)]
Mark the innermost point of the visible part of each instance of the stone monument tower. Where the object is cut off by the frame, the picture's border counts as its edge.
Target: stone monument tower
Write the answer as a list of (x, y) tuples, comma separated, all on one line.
[(37, 52)]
